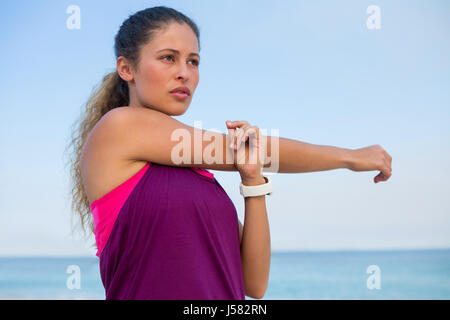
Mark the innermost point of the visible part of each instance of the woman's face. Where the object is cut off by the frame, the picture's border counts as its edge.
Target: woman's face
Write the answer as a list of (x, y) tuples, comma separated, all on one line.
[(161, 70)]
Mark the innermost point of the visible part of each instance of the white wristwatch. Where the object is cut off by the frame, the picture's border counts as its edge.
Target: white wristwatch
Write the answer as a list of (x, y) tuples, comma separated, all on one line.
[(259, 190)]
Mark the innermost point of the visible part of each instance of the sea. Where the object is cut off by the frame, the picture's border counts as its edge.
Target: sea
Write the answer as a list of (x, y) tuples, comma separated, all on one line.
[(294, 275)]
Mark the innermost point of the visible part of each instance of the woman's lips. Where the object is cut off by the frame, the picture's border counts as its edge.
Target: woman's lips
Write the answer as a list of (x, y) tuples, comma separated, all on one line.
[(179, 95)]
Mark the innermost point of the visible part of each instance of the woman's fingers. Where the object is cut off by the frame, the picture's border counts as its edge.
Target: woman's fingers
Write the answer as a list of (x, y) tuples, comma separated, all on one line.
[(235, 129), (236, 123), (387, 169), (252, 131), (241, 131), (231, 134), (256, 145), (246, 161), (380, 177), (240, 135), (385, 173)]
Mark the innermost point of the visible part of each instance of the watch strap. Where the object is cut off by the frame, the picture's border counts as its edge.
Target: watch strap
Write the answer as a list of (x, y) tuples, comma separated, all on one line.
[(259, 190)]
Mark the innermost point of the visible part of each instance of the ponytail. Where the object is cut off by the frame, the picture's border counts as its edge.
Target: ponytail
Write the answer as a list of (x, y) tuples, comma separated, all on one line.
[(112, 93)]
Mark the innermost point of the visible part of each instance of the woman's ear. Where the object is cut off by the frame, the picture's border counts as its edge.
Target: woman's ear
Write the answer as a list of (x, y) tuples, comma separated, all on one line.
[(124, 69)]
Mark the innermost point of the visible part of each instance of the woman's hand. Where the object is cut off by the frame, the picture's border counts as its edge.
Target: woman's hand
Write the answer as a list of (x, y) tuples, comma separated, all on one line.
[(372, 158), (248, 149)]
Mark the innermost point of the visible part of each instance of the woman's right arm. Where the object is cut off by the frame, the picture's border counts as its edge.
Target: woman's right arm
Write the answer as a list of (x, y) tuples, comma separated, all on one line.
[(150, 135)]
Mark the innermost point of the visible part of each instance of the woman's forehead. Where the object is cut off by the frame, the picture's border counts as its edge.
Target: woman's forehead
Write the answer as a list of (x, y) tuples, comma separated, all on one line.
[(177, 37)]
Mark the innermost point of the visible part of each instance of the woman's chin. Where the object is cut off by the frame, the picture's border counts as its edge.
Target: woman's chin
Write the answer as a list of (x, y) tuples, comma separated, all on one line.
[(178, 110)]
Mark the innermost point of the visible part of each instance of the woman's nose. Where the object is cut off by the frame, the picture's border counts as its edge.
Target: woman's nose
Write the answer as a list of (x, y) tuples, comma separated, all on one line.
[(182, 72)]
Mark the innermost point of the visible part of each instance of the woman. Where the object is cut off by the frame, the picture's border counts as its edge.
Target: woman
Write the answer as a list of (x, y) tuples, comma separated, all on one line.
[(164, 228)]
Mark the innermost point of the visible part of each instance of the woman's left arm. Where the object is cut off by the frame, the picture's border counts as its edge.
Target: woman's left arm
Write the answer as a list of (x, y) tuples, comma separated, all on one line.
[(255, 244)]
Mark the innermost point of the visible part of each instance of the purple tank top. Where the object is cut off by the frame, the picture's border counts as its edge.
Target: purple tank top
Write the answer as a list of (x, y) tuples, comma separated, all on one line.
[(169, 233)]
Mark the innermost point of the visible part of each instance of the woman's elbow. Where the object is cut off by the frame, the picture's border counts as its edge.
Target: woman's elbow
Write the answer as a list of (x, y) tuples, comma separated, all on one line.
[(257, 293)]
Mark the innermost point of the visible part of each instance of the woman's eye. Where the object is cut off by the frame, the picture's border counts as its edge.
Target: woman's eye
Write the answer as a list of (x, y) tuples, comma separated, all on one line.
[(196, 62), (168, 57)]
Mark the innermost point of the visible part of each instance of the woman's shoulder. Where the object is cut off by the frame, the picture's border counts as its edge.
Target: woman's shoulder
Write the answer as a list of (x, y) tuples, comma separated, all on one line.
[(103, 167)]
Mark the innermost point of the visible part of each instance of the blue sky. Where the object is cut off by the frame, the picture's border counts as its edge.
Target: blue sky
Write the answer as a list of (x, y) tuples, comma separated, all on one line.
[(311, 69)]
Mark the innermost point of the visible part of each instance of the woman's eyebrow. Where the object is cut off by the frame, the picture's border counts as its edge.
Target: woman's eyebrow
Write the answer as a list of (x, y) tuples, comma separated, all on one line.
[(178, 52)]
